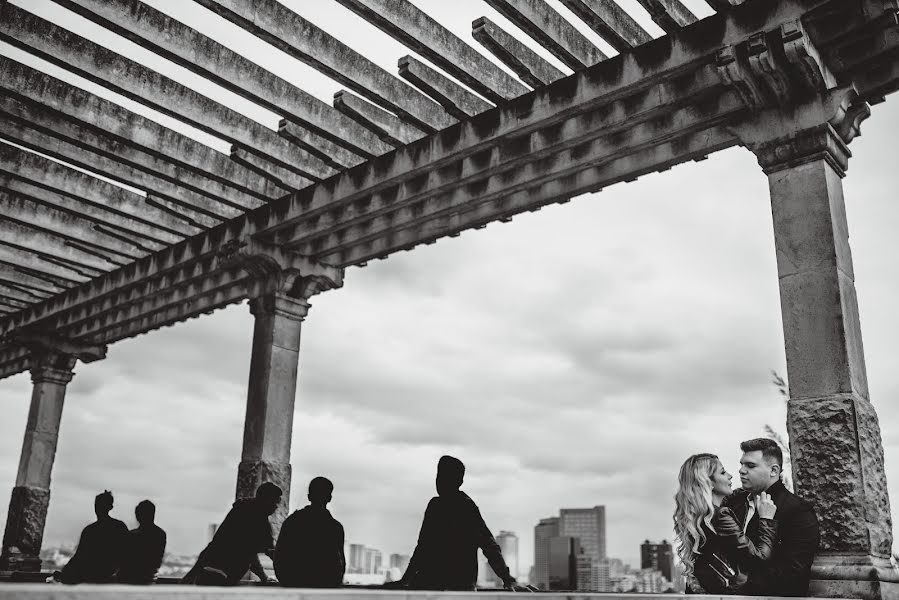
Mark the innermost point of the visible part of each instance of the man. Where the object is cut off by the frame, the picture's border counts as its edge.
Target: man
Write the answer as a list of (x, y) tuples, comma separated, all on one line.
[(242, 536), (788, 571), (144, 547), (451, 532), (99, 548), (309, 552)]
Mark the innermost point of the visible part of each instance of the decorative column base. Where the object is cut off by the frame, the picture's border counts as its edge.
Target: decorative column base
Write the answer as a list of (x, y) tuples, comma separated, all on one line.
[(854, 576), (252, 474), (24, 529)]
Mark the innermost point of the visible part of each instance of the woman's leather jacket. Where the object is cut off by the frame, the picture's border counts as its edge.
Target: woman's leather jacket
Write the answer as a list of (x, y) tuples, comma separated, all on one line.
[(722, 562)]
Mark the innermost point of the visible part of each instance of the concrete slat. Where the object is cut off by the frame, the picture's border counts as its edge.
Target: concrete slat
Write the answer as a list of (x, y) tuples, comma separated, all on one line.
[(455, 99), (414, 28), (527, 64), (610, 21), (383, 124), (550, 29), (670, 15), (11, 275), (215, 174), (189, 48), (288, 31), (10, 290), (143, 85), (91, 196), (198, 210), (28, 239)]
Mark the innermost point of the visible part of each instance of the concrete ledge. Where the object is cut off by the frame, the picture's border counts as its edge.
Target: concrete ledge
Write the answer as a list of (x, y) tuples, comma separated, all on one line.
[(31, 591)]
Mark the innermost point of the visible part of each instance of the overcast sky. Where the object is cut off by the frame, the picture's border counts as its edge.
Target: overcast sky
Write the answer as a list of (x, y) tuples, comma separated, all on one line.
[(573, 357)]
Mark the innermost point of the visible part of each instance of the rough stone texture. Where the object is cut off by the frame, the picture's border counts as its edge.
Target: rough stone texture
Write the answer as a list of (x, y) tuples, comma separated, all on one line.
[(24, 529), (823, 440), (252, 474), (877, 508)]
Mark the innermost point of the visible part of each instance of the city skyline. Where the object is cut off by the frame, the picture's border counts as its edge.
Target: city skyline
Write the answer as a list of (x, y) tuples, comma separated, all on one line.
[(574, 356)]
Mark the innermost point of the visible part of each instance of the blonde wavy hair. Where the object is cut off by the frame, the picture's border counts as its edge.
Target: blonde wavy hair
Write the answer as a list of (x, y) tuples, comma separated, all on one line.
[(693, 506)]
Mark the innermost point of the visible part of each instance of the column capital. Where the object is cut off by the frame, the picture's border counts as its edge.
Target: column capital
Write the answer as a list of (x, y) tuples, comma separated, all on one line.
[(52, 367)]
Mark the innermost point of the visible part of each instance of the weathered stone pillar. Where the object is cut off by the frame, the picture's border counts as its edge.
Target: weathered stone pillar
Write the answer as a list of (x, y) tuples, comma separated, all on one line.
[(31, 496), (835, 438), (279, 289), (270, 396)]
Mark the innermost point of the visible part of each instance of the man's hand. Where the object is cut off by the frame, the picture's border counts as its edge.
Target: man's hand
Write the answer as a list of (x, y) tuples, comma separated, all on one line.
[(514, 586), (765, 506)]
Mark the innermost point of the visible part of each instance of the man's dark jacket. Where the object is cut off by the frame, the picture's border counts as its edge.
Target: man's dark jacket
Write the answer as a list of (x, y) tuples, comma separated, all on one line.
[(309, 552), (142, 555), (98, 554), (789, 570), (446, 557)]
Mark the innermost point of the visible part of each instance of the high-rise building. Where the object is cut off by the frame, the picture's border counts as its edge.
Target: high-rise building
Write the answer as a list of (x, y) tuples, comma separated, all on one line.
[(589, 526), (356, 559), (563, 553), (543, 532), (210, 532), (658, 557), (508, 545), (399, 561), (602, 575)]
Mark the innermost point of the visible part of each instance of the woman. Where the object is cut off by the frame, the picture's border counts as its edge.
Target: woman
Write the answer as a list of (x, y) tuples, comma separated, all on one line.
[(711, 544)]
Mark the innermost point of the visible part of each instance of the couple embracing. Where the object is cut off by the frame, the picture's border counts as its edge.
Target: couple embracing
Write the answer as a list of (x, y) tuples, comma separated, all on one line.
[(758, 540)]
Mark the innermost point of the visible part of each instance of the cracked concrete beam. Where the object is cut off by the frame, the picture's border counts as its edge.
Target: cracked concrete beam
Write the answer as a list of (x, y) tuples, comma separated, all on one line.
[(30, 240), (414, 28), (610, 21), (670, 15), (30, 282), (550, 29)]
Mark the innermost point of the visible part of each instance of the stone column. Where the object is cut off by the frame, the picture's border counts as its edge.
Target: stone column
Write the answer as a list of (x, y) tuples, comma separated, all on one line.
[(270, 397), (834, 433), (31, 494)]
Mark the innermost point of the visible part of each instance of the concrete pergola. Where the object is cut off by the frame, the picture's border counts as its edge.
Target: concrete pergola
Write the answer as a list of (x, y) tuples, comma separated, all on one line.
[(393, 164)]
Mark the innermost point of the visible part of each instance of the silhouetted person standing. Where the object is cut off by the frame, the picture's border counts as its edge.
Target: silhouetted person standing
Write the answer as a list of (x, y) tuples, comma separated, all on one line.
[(99, 549), (309, 552), (242, 536), (144, 547), (446, 557)]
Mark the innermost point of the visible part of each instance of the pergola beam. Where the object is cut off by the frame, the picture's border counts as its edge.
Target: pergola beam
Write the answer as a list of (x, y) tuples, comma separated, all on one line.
[(42, 286), (383, 124), (146, 86), (288, 31), (610, 21), (550, 29), (52, 248), (455, 99), (414, 28), (670, 15), (532, 68), (198, 208), (214, 173), (196, 52), (49, 181)]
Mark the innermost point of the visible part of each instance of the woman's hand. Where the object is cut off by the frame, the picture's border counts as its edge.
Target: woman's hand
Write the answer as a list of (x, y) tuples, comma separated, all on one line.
[(765, 506)]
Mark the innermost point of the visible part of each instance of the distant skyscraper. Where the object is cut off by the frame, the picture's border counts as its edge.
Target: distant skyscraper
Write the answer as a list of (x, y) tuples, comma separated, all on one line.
[(357, 558), (589, 526), (399, 561), (508, 544), (563, 553), (543, 532), (658, 557)]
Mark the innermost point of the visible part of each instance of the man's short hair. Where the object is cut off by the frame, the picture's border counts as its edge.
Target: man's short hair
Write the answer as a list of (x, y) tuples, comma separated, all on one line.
[(770, 450), (104, 500), (268, 491), (145, 507), (320, 486), (451, 466)]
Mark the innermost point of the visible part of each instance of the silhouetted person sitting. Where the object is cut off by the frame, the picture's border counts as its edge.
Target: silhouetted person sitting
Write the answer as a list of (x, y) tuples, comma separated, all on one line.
[(446, 557), (99, 549), (144, 548), (309, 552), (242, 536)]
